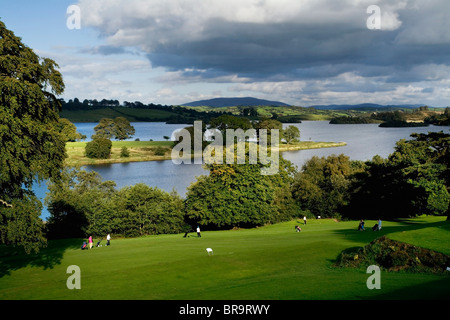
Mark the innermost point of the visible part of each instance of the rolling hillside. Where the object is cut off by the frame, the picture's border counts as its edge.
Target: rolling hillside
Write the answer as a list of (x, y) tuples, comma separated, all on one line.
[(231, 102)]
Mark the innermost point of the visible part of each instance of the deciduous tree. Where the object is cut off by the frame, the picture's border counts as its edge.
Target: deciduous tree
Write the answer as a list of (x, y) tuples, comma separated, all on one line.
[(31, 147)]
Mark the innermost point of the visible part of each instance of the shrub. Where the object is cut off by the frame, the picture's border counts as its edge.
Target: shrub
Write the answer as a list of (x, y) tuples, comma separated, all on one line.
[(124, 153), (393, 255), (99, 148), (160, 151)]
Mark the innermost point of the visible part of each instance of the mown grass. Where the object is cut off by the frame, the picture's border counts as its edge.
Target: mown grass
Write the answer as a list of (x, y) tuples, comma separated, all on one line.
[(271, 262)]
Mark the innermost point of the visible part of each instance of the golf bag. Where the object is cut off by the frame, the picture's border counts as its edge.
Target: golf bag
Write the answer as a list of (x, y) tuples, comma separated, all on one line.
[(375, 227), (84, 246)]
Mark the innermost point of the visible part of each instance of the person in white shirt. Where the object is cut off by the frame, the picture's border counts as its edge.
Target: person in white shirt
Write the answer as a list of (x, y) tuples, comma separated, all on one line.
[(198, 232), (108, 238)]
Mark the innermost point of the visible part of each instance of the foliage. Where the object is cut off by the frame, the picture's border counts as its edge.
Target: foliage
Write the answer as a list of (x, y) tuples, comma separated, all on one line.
[(123, 129), (31, 147), (440, 120), (145, 211), (124, 153), (322, 185), (291, 134), (269, 125), (229, 122), (99, 148), (69, 131), (160, 151), (352, 120), (192, 133), (401, 124), (119, 128), (237, 195), (393, 255), (82, 205), (411, 182)]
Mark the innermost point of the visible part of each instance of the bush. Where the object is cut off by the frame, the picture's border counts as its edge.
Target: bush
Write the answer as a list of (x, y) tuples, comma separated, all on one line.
[(160, 151), (99, 148), (393, 255), (124, 153), (81, 204)]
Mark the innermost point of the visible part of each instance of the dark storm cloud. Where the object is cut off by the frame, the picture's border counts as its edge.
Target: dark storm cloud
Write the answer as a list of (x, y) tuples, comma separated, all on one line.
[(282, 41)]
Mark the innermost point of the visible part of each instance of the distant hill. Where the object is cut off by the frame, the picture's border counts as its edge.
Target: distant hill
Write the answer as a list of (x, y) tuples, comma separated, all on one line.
[(231, 102), (366, 107)]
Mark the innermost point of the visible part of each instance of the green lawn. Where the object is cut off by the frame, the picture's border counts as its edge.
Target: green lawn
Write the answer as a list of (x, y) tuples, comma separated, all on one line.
[(271, 262)]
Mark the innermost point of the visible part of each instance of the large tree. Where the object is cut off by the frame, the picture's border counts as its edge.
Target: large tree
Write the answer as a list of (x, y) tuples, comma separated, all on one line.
[(238, 195), (31, 147), (413, 180), (321, 186), (119, 128)]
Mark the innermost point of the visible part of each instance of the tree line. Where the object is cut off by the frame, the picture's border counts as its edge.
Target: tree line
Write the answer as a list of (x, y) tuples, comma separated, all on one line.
[(412, 181), (396, 118)]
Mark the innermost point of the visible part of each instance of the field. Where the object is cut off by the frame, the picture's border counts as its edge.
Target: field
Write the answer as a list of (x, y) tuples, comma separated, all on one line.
[(138, 151), (272, 262), (145, 151), (132, 114)]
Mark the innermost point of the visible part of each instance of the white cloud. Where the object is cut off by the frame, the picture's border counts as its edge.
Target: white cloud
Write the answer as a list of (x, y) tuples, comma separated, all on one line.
[(296, 51)]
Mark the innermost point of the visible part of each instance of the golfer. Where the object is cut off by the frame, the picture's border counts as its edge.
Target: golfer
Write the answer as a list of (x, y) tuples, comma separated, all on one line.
[(91, 243), (304, 219), (108, 238), (198, 232)]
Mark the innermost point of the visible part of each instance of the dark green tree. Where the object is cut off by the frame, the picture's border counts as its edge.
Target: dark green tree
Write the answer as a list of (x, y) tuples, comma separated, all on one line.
[(104, 129), (224, 122), (99, 148), (81, 204), (31, 147), (122, 129), (77, 204), (322, 185), (269, 125), (69, 130), (237, 195), (412, 181), (291, 134)]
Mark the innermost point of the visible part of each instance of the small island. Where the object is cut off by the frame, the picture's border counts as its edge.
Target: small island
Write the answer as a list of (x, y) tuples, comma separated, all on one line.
[(159, 151)]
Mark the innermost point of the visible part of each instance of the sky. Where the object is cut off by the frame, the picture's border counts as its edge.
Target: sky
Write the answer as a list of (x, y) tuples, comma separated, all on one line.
[(300, 52)]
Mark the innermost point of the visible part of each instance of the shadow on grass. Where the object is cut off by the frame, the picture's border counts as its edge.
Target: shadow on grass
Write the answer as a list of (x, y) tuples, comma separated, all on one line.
[(433, 290), (363, 238), (368, 235), (15, 258)]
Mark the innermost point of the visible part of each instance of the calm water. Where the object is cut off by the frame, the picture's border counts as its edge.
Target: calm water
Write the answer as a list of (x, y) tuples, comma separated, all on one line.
[(363, 142)]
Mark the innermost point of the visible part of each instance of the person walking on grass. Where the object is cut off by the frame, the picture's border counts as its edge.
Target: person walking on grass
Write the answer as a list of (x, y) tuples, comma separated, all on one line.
[(304, 219), (91, 243), (108, 239), (198, 232)]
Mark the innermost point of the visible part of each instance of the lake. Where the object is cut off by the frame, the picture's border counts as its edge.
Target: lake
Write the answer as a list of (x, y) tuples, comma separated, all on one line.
[(363, 142)]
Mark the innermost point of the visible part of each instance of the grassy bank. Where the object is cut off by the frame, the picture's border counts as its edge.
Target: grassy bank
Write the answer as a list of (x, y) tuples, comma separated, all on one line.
[(138, 151), (271, 262), (145, 151)]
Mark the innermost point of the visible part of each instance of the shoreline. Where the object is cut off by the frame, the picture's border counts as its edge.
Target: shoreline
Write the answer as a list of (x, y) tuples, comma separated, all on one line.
[(143, 151)]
